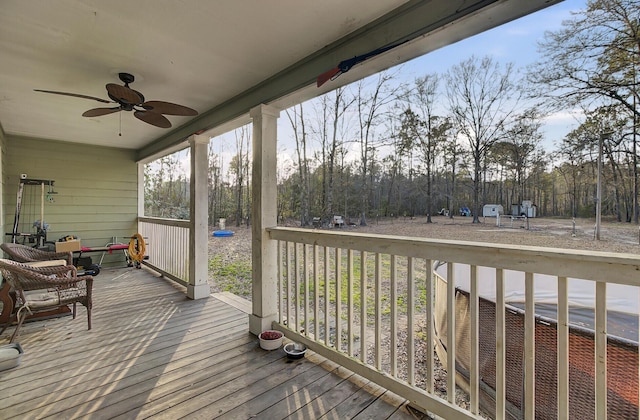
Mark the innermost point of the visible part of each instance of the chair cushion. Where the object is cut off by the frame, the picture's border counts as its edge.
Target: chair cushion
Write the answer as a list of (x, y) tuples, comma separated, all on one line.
[(41, 298), (47, 263)]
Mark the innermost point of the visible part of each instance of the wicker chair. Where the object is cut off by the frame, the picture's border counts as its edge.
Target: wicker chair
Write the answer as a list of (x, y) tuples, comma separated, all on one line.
[(45, 288), (32, 256), (23, 253)]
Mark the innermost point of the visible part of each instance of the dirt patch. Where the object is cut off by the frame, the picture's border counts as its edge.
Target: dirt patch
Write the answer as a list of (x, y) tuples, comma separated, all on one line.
[(230, 257), (230, 262), (545, 232)]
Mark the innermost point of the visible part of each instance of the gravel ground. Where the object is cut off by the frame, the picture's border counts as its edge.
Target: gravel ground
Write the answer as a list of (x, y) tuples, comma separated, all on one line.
[(556, 233)]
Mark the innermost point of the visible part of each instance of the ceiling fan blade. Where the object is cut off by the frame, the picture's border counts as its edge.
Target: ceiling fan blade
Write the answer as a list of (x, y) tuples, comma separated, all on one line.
[(169, 108), (96, 112), (124, 94), (76, 95), (153, 118)]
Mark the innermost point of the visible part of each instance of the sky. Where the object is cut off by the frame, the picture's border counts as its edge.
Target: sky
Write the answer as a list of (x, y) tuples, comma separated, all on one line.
[(515, 42)]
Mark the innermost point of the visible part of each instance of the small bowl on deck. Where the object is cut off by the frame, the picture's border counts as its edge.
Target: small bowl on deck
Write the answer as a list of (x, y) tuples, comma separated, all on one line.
[(295, 350), (10, 356), (270, 339)]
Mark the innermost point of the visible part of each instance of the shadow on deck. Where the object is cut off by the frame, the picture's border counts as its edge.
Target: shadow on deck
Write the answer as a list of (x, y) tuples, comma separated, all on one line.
[(154, 353)]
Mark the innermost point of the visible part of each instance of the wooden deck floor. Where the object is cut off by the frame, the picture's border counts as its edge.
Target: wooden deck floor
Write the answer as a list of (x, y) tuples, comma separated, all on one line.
[(154, 353)]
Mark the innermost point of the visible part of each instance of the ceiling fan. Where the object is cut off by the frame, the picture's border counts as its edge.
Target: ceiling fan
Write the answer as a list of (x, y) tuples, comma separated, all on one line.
[(128, 99)]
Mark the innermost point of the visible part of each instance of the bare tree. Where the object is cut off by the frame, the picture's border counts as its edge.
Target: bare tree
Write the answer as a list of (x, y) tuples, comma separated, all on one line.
[(167, 187), (215, 183), (424, 98), (332, 131), (394, 162), (519, 147), (595, 57), (482, 96), (371, 105), (453, 155), (296, 118), (239, 166)]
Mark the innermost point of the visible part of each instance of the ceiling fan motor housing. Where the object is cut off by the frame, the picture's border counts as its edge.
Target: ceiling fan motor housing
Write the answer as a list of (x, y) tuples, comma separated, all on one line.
[(126, 78), (124, 95)]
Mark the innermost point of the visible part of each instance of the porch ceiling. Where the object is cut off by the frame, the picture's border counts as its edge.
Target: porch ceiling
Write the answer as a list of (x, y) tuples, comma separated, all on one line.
[(219, 58)]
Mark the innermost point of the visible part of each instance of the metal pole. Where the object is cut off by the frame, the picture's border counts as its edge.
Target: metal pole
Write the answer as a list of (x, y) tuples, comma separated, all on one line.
[(40, 239)]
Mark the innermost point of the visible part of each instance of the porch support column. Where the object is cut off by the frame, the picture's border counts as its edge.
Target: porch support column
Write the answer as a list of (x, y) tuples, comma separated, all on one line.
[(198, 287), (264, 252)]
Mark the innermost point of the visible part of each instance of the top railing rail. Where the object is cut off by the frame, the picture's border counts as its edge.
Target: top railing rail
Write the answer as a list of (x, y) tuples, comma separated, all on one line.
[(610, 267)]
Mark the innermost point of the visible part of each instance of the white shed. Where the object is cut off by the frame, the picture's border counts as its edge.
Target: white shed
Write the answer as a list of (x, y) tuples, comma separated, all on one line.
[(492, 210)]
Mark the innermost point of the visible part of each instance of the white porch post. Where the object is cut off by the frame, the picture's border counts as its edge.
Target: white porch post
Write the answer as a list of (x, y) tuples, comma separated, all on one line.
[(264, 215), (198, 287)]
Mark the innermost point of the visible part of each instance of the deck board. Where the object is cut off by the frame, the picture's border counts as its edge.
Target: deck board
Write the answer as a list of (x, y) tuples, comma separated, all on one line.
[(154, 353), (364, 396)]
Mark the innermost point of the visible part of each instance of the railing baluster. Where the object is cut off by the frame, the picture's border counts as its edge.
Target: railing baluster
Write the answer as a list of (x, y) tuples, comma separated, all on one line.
[(305, 275), (378, 311), (501, 358), (474, 335), (171, 235), (338, 262), (296, 287), (164, 232), (281, 282), (601, 350), (363, 306), (429, 319), (288, 262), (411, 307), (174, 239), (175, 236), (451, 333), (563, 349), (394, 316), (327, 299), (316, 293), (350, 300), (529, 349)]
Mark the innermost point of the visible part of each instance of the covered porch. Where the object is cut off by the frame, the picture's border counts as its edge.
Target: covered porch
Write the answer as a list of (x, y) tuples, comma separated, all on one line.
[(154, 353), (170, 349)]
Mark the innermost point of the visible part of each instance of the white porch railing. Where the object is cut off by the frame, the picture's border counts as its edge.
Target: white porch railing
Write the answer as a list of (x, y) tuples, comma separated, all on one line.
[(167, 246), (367, 302)]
